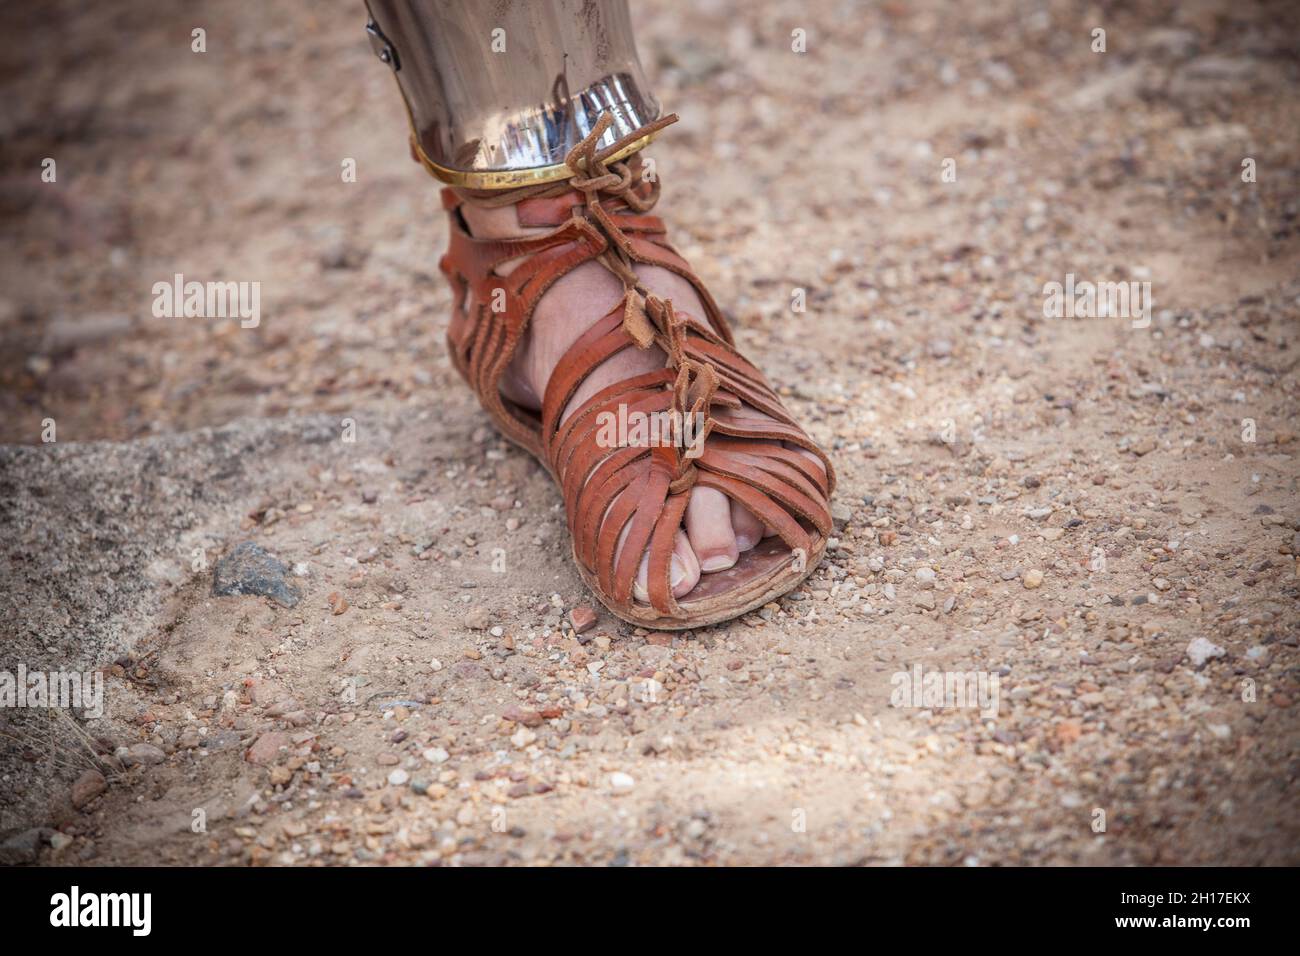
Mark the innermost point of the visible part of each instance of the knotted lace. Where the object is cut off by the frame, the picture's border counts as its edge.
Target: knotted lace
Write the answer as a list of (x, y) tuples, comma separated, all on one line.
[(647, 318)]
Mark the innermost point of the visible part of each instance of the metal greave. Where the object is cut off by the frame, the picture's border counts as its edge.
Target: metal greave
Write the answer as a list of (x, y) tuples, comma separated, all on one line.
[(498, 91)]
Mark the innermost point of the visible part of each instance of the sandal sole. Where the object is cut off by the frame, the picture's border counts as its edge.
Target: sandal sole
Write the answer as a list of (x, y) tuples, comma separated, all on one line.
[(776, 580)]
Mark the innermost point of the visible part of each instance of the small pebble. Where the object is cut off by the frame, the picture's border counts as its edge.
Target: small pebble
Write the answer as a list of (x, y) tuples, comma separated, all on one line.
[(583, 618), (1200, 651)]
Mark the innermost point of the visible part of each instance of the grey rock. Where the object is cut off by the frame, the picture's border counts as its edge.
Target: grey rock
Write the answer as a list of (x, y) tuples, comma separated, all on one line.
[(251, 569), (20, 848), (145, 754), (841, 514)]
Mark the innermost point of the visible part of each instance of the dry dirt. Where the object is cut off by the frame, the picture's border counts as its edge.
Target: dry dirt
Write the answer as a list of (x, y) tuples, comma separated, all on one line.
[(416, 706)]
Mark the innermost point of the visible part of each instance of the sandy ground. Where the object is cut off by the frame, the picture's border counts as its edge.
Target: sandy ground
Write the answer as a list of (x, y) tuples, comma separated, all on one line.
[(1075, 506)]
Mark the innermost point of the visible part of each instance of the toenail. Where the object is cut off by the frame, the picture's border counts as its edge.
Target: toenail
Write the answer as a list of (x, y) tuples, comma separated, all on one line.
[(717, 562), (678, 574), (744, 542)]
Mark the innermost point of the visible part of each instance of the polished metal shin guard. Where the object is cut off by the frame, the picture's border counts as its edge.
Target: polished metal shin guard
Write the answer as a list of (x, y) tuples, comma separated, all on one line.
[(499, 91)]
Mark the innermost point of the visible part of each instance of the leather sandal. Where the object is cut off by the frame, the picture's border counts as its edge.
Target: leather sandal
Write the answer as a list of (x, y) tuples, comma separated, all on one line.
[(600, 214)]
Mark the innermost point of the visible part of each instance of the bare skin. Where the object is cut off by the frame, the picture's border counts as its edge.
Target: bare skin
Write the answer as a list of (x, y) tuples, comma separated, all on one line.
[(716, 530)]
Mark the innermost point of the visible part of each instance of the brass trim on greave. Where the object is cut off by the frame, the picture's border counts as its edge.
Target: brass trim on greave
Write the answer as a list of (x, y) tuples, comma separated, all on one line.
[(513, 178)]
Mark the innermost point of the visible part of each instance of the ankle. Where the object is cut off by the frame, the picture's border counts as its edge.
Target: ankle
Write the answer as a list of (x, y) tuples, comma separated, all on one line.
[(499, 222)]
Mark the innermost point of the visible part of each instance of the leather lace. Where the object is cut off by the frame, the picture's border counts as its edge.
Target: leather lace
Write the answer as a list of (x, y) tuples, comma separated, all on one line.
[(647, 318)]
